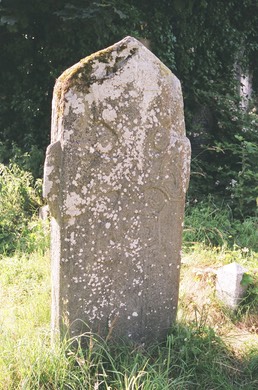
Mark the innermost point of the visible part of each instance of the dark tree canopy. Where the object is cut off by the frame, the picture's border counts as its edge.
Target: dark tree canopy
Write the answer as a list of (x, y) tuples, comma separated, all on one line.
[(202, 42)]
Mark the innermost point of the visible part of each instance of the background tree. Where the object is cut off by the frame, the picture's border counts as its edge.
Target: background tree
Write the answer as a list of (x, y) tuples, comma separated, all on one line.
[(200, 41)]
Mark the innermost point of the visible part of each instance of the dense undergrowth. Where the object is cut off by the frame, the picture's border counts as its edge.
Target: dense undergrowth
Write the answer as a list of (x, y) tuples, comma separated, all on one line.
[(214, 224), (208, 348), (20, 228)]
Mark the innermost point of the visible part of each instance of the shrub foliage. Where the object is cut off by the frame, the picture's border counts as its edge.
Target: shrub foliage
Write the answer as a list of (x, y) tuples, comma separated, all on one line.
[(207, 44), (20, 199)]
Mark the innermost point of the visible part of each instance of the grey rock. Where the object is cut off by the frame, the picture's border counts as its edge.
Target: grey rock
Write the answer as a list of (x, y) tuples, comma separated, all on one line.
[(228, 286)]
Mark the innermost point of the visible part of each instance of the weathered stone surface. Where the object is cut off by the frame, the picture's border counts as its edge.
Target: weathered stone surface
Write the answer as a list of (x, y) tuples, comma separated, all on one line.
[(116, 174), (228, 286)]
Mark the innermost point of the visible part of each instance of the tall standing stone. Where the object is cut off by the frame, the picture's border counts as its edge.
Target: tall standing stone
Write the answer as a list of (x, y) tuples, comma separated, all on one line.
[(116, 174)]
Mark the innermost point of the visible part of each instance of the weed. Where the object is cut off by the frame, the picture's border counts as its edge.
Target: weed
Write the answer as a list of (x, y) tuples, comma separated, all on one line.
[(205, 222), (20, 199), (212, 224)]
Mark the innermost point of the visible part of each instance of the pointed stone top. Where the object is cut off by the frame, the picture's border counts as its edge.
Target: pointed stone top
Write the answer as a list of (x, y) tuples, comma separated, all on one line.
[(105, 63), (125, 72)]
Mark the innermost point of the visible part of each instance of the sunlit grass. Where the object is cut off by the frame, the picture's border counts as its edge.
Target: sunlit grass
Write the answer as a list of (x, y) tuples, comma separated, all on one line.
[(208, 348)]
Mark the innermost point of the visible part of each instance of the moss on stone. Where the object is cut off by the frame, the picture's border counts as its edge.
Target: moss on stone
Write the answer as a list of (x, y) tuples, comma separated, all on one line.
[(81, 72), (82, 76)]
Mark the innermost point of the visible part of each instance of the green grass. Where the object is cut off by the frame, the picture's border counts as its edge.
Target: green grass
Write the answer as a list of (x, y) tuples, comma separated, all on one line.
[(214, 224), (204, 349)]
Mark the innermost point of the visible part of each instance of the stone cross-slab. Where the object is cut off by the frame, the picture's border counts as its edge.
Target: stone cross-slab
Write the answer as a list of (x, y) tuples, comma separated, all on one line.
[(115, 179)]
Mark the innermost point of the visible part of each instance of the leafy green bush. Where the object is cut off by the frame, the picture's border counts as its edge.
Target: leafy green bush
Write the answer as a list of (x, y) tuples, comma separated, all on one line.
[(31, 160), (20, 199), (226, 167)]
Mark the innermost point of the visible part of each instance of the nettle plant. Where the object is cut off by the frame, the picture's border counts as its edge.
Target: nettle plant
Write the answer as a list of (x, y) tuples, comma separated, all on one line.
[(238, 155), (227, 165)]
